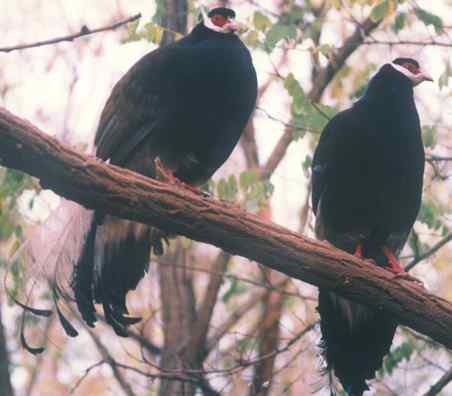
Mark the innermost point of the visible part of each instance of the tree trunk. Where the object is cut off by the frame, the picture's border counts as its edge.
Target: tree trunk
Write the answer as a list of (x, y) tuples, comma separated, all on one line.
[(176, 288), (178, 312)]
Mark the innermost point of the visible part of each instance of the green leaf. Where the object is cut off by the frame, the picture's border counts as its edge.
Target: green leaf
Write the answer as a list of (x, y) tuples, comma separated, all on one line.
[(292, 86), (153, 33), (261, 22), (277, 33), (393, 360), (399, 22), (429, 19), (429, 136), (380, 10), (227, 188), (252, 39), (306, 115), (430, 214), (248, 178)]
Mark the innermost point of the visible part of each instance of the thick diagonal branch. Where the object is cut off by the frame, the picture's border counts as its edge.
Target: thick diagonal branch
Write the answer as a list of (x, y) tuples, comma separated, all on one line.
[(125, 194)]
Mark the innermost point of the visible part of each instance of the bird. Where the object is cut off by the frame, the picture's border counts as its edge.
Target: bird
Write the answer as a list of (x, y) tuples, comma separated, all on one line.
[(186, 105), (367, 177)]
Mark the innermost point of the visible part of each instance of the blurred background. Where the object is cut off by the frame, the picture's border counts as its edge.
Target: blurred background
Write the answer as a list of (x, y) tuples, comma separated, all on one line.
[(215, 324)]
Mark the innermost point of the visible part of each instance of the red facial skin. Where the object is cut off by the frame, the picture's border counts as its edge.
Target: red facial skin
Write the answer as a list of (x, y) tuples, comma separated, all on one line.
[(219, 20), (412, 68)]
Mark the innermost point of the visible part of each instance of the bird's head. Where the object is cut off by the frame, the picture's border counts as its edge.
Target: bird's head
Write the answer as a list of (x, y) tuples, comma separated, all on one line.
[(411, 69), (221, 20)]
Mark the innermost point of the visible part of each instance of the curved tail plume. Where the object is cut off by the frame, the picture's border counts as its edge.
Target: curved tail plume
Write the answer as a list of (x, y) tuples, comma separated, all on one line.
[(46, 259)]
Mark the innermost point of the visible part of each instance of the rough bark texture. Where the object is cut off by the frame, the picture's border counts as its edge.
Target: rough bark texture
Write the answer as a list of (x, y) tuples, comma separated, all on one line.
[(125, 194)]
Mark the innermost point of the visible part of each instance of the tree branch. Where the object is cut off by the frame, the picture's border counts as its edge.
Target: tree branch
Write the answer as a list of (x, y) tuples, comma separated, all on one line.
[(430, 252), (84, 31), (204, 314), (124, 193), (438, 386), (334, 65)]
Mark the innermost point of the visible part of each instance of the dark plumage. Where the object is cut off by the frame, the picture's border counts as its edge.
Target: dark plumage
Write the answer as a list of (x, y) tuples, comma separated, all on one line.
[(366, 193), (187, 104)]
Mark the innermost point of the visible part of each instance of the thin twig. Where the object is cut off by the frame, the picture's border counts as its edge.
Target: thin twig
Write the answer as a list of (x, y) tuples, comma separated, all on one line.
[(427, 254), (107, 358), (84, 31), (438, 386), (87, 371), (437, 158), (408, 42)]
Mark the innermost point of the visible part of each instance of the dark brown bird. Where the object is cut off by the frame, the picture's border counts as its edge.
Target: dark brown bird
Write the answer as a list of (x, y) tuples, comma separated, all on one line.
[(187, 104), (367, 185)]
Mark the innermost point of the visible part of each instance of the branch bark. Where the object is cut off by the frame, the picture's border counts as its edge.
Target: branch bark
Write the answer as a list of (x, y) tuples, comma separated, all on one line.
[(176, 210)]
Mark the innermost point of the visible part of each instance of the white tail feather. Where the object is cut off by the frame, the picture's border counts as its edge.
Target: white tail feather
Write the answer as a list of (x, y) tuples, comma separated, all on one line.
[(53, 248)]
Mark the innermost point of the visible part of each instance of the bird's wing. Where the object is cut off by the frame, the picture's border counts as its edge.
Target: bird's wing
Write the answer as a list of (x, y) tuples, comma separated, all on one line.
[(135, 107), (339, 129)]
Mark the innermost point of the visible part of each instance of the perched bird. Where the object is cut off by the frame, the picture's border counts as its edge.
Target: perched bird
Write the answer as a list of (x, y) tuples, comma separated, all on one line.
[(366, 192), (186, 104)]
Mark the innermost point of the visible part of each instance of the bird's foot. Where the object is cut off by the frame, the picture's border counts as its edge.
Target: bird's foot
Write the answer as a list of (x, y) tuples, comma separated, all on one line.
[(164, 174), (359, 250), (397, 269)]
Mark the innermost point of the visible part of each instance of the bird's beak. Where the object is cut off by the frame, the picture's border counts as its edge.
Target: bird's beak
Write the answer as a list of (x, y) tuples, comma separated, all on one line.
[(236, 27), (425, 76)]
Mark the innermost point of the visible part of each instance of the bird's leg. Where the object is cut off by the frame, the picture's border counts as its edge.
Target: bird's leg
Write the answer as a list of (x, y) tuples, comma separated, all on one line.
[(359, 250), (392, 261), (164, 174), (396, 268)]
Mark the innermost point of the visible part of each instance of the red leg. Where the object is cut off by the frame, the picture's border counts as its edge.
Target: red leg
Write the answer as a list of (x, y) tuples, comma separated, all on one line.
[(397, 268), (359, 250), (392, 261)]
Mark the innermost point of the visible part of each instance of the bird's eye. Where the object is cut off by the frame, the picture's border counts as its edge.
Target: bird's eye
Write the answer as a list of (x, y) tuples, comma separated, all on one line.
[(412, 68), (219, 20)]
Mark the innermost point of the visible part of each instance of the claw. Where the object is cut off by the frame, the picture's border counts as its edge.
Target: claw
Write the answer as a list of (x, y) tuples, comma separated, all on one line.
[(165, 174)]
